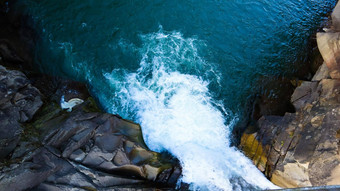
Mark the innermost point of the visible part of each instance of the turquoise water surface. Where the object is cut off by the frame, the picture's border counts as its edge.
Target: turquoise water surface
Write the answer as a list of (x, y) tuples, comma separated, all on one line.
[(182, 69)]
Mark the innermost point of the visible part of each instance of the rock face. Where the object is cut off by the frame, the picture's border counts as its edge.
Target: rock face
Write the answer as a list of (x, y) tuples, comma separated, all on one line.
[(62, 150), (302, 149), (329, 45), (19, 101)]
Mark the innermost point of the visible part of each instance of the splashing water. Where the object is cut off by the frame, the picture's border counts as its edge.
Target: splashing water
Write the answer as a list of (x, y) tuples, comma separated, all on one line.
[(178, 114), (160, 80)]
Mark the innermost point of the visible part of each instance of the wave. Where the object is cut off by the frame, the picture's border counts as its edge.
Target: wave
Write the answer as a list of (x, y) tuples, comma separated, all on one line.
[(169, 96)]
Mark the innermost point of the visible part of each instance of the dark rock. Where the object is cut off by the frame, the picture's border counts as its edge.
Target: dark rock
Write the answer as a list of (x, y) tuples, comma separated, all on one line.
[(17, 39), (55, 187), (29, 174), (19, 101)]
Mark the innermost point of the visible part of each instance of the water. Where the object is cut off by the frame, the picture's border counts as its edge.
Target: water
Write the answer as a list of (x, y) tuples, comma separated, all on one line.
[(183, 70)]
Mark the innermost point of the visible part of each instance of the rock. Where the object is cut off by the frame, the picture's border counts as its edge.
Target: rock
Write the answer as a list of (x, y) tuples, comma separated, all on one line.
[(111, 148), (7, 53), (336, 17), (19, 101), (68, 90), (300, 149), (18, 98), (304, 94), (30, 173), (329, 46), (322, 73)]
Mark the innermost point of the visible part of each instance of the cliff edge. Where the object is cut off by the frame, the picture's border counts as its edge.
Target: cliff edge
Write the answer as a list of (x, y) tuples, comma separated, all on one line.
[(302, 149)]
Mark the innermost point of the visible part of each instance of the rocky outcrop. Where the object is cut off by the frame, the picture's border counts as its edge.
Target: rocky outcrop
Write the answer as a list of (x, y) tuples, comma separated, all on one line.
[(329, 45), (84, 148), (19, 101), (302, 149)]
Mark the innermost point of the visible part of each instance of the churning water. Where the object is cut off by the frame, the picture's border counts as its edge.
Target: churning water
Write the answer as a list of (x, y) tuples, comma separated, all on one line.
[(182, 69)]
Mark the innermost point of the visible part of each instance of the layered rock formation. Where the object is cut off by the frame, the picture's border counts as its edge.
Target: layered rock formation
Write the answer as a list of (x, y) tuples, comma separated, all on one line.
[(63, 150), (302, 149)]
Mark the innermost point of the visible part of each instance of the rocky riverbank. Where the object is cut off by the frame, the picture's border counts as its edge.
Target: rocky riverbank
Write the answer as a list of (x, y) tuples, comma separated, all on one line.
[(302, 149), (44, 147)]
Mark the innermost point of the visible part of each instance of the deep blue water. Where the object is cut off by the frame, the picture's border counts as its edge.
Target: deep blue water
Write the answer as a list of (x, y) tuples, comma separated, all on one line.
[(182, 69)]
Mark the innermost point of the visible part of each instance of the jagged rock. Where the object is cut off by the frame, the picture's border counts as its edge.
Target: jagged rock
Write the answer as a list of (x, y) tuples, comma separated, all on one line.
[(301, 149), (30, 173), (19, 101), (304, 94), (82, 148), (103, 142), (322, 73), (55, 187), (329, 46)]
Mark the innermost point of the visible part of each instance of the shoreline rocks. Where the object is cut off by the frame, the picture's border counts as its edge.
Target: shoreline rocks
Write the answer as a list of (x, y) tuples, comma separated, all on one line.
[(302, 149), (52, 148)]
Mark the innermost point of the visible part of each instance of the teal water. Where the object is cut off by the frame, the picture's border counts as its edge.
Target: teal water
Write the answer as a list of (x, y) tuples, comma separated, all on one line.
[(182, 69)]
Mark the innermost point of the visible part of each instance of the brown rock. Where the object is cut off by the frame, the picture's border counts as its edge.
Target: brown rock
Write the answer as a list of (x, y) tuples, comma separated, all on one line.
[(329, 46), (336, 17), (301, 149), (322, 73)]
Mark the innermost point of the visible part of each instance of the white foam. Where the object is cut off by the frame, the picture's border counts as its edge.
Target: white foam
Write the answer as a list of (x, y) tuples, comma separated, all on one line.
[(178, 114)]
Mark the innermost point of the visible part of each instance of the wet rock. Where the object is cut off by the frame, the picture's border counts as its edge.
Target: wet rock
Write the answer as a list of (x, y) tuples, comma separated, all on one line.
[(19, 101)]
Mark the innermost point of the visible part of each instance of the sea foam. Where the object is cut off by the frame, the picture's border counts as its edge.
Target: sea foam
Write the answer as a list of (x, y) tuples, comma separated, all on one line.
[(169, 96)]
